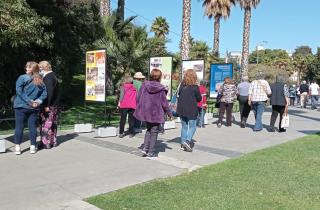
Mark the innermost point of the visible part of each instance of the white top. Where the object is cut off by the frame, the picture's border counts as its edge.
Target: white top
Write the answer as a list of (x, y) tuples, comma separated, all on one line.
[(314, 89), (259, 90)]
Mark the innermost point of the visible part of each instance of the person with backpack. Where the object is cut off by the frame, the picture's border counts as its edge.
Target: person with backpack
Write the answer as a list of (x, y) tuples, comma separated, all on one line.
[(30, 94)]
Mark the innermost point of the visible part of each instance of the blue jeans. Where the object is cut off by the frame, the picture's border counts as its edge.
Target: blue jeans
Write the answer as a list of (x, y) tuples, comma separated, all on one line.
[(200, 119), (188, 129), (258, 109), (31, 115), (314, 100)]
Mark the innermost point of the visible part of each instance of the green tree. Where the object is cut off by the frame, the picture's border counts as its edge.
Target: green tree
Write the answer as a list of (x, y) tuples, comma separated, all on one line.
[(160, 27), (247, 5), (302, 50), (199, 50), (217, 9)]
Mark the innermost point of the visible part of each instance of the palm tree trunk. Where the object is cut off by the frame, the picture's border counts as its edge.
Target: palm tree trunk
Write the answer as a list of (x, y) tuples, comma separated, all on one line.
[(120, 9), (216, 36), (185, 38), (245, 43), (105, 9)]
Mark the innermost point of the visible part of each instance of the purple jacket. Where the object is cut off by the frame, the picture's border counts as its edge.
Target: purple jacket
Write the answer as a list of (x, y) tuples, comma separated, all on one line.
[(152, 103)]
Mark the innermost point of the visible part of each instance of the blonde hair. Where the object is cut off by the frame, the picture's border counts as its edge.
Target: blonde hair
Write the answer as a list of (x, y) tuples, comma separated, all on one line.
[(45, 65), (190, 77), (36, 77), (127, 79)]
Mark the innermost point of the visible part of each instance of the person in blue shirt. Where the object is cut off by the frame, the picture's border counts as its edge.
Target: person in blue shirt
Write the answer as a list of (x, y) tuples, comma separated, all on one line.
[(30, 93)]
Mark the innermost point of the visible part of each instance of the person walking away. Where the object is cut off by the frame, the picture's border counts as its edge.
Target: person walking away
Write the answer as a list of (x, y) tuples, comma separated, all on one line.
[(189, 96), (151, 107), (258, 95), (243, 96), (279, 101), (138, 79), (304, 90), (49, 111), (314, 93), (229, 92), (202, 105), (292, 94), (30, 94), (127, 105)]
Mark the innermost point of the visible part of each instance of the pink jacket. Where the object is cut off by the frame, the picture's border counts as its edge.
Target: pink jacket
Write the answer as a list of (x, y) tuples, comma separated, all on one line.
[(203, 91), (129, 96)]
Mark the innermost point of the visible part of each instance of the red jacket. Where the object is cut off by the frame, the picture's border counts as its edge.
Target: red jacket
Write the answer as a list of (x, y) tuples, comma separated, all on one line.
[(203, 92)]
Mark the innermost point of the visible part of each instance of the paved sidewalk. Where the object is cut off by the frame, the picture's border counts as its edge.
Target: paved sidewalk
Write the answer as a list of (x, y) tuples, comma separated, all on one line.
[(84, 165)]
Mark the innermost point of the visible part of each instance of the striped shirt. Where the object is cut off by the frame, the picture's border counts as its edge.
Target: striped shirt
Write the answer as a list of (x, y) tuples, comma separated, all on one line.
[(259, 90)]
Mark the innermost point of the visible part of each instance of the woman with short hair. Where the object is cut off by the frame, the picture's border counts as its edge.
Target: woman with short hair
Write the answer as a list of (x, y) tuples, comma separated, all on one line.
[(30, 94), (189, 96), (151, 107)]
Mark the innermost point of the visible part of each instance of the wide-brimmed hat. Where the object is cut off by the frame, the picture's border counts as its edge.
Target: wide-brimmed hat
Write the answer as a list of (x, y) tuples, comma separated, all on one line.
[(138, 75)]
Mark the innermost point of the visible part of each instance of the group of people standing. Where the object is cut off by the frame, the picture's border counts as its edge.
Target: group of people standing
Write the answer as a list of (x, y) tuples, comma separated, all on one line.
[(36, 100)]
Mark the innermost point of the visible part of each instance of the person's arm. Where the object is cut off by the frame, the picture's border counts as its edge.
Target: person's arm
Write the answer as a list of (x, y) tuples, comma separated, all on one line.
[(20, 85), (121, 95), (250, 94), (165, 104), (198, 94), (43, 95), (268, 89)]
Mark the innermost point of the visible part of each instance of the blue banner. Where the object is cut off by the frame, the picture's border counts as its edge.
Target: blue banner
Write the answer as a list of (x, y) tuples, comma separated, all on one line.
[(217, 74)]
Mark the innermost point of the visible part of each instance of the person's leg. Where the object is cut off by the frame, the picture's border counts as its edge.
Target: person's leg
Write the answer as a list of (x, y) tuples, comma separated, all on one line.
[(199, 117), (32, 125), (221, 112), (131, 121), (254, 107), (203, 112), (46, 125), (246, 111), (281, 112), (19, 125), (274, 116), (260, 110), (302, 100), (54, 128), (229, 113), (192, 129), (147, 137), (184, 129), (241, 107), (153, 137), (123, 116)]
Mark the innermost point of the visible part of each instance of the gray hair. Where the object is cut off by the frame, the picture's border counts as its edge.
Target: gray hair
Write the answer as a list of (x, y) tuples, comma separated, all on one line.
[(203, 82), (127, 79), (304, 82), (245, 78), (279, 78), (260, 75)]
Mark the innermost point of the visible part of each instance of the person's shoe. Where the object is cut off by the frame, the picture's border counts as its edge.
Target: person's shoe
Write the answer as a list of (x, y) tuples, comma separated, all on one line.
[(32, 149), (182, 147), (282, 130), (219, 125), (47, 146), (144, 153), (242, 125), (17, 150), (257, 130), (187, 146), (121, 135), (151, 156), (55, 144), (271, 129)]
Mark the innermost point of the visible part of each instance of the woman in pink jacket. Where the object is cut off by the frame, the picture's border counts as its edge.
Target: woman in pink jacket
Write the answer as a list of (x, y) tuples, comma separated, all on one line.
[(127, 105)]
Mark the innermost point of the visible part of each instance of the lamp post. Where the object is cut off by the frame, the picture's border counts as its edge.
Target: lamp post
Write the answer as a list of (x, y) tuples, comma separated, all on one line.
[(257, 48)]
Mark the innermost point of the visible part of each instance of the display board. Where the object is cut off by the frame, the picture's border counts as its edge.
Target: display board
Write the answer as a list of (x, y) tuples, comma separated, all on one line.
[(165, 65), (95, 81), (217, 74), (197, 65)]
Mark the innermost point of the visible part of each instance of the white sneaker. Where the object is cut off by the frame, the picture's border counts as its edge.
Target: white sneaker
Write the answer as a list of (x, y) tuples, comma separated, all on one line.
[(32, 149), (18, 150)]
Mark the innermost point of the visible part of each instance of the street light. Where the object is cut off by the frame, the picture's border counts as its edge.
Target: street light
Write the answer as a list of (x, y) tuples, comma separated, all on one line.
[(260, 44)]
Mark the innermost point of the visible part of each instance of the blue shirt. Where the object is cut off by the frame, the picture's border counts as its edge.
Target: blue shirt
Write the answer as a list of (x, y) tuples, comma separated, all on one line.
[(243, 88), (27, 91)]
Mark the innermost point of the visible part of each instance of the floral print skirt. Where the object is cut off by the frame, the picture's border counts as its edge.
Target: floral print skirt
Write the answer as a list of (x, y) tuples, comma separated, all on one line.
[(49, 126)]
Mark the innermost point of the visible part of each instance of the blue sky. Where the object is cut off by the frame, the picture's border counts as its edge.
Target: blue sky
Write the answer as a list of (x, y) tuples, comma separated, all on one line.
[(284, 24)]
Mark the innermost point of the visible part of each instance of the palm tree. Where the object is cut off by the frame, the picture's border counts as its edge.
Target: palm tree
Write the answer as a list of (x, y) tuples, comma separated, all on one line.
[(185, 37), (160, 27), (217, 9), (105, 9), (247, 5), (120, 9)]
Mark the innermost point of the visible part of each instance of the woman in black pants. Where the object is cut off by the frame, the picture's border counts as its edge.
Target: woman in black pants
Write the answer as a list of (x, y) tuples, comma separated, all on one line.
[(243, 95)]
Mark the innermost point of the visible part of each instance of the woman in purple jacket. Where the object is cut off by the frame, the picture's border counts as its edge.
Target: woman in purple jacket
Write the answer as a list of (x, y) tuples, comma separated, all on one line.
[(151, 106)]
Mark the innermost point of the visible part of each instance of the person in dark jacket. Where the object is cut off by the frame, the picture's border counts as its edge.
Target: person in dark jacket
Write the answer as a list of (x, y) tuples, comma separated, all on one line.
[(49, 112), (292, 94), (30, 94), (189, 96), (152, 104), (279, 101)]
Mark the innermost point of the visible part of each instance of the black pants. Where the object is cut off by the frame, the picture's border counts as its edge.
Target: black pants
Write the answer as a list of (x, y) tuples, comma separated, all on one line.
[(274, 115), (292, 99), (225, 107), (244, 108), (123, 118), (151, 137)]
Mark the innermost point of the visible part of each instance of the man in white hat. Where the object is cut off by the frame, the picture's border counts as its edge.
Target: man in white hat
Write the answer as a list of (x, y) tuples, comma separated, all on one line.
[(138, 79)]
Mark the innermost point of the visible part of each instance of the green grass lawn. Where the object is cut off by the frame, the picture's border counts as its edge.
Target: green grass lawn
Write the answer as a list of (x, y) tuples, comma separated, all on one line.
[(281, 177)]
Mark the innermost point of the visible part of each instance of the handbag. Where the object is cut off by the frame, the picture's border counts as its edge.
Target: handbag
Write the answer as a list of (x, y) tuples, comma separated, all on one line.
[(285, 121), (169, 125)]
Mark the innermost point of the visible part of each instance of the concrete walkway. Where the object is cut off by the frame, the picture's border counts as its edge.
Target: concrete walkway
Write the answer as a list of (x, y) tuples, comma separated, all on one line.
[(84, 165)]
